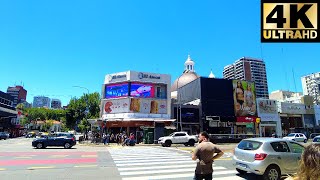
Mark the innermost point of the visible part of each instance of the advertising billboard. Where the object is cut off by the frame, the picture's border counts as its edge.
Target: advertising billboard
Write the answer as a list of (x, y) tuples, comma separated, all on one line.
[(267, 110), (244, 98), (138, 105), (116, 106), (142, 90), (116, 90)]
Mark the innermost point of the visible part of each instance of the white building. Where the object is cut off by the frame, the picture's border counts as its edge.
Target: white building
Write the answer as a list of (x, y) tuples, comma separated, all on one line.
[(286, 96), (132, 100), (311, 86), (41, 101), (249, 69)]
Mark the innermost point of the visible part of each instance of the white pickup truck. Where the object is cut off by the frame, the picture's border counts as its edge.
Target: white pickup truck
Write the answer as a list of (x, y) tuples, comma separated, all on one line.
[(178, 138)]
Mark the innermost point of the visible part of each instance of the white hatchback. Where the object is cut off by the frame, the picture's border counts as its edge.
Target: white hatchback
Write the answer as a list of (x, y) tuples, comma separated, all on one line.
[(299, 137)]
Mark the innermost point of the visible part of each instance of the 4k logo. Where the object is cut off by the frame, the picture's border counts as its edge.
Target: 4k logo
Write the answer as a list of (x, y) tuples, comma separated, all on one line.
[(289, 21)]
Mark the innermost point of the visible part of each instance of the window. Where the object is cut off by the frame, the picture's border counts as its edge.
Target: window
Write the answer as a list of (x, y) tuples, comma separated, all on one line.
[(179, 134), (249, 145), (296, 148), (280, 146), (161, 91)]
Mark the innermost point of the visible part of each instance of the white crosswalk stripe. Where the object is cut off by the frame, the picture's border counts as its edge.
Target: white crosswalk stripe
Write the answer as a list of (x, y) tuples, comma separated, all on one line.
[(144, 163)]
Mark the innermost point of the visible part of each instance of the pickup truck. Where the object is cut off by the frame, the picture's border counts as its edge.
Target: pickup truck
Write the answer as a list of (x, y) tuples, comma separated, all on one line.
[(178, 138)]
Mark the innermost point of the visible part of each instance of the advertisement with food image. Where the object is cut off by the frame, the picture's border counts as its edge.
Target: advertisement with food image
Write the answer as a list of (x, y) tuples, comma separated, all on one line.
[(142, 90), (116, 90), (244, 98), (140, 105), (116, 106), (158, 107)]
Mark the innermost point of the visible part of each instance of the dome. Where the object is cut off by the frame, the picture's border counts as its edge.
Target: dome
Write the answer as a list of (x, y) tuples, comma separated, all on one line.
[(184, 79), (211, 75)]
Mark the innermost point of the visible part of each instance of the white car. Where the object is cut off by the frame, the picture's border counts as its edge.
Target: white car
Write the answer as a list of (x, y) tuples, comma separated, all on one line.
[(178, 138), (299, 137), (316, 140)]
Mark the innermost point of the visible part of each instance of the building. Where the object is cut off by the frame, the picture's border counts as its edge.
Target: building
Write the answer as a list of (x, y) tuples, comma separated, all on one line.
[(8, 114), (286, 96), (41, 101), (56, 104), (135, 101), (249, 69), (311, 86), (18, 93)]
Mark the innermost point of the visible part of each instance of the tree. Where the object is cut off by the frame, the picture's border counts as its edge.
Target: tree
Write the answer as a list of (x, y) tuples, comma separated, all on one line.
[(47, 125)]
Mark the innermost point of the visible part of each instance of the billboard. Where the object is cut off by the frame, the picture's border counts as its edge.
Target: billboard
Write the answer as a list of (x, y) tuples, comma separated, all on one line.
[(142, 90), (267, 110), (138, 105), (116, 90), (244, 95), (116, 106)]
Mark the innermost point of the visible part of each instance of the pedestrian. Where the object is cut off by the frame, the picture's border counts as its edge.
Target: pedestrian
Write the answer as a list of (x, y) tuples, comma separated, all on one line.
[(309, 165), (206, 152), (108, 138)]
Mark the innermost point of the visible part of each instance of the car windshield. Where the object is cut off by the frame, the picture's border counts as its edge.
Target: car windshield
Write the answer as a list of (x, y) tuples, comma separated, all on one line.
[(291, 135), (249, 145), (317, 139)]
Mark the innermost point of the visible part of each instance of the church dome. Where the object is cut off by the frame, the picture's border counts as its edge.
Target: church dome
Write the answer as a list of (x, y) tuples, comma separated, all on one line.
[(184, 79), (211, 75)]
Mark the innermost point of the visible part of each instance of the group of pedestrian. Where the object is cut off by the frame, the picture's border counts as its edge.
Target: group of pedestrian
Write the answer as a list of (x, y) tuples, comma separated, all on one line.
[(119, 138)]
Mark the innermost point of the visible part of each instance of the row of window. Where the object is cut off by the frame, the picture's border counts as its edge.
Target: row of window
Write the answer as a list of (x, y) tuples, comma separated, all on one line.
[(6, 101)]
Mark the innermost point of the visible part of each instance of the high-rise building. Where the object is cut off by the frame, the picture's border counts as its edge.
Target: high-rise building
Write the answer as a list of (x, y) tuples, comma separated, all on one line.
[(311, 86), (56, 104), (249, 69), (41, 101), (18, 93)]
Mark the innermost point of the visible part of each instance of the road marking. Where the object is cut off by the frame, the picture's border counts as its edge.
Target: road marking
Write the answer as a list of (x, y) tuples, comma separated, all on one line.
[(156, 163), (157, 167), (85, 166), (87, 156), (41, 167), (142, 158), (224, 159), (23, 157), (58, 156)]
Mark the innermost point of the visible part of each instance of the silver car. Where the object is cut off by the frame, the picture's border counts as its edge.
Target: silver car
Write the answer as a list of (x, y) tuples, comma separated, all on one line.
[(269, 157), (316, 140)]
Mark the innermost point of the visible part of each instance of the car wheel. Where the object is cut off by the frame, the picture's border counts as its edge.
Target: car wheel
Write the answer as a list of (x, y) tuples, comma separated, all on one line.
[(163, 145), (191, 142), (241, 171), (305, 141), (168, 143), (67, 145), (272, 173), (186, 144), (40, 146)]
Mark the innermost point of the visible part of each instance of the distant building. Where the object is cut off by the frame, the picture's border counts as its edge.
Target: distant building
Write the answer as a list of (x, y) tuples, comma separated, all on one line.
[(311, 86), (56, 104), (249, 69), (18, 93), (286, 96), (41, 101)]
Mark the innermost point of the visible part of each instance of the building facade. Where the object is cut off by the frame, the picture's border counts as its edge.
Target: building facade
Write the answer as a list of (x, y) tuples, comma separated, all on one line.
[(8, 114), (135, 100), (249, 69), (18, 93), (286, 96), (311, 86), (56, 104), (41, 101)]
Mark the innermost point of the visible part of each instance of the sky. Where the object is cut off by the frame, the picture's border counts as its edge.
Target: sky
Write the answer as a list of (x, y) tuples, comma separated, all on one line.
[(51, 46)]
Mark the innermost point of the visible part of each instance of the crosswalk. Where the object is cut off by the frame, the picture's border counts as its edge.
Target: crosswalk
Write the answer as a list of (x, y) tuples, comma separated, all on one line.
[(145, 163)]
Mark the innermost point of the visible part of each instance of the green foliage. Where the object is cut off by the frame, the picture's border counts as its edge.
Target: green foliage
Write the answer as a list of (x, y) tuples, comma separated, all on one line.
[(47, 125)]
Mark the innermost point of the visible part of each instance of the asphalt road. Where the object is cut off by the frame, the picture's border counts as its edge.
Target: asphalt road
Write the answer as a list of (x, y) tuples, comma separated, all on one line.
[(19, 160)]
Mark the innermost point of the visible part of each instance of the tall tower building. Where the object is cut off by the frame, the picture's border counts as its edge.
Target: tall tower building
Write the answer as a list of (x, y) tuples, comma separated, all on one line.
[(56, 104), (311, 86), (18, 93), (249, 69), (41, 101)]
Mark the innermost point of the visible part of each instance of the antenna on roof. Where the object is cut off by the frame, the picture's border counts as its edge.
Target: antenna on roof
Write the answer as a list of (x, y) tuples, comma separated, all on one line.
[(294, 80)]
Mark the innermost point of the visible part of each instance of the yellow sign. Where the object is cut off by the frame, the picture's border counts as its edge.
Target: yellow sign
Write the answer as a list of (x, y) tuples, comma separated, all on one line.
[(289, 21), (258, 120)]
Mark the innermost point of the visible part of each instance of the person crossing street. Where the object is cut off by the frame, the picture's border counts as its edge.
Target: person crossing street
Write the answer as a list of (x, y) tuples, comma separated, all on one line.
[(206, 152)]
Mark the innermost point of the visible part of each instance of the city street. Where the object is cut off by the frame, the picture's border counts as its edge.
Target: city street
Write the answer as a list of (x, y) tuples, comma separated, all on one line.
[(18, 160)]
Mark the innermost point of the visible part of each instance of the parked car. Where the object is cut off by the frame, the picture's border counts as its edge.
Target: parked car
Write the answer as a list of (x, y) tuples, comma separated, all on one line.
[(66, 140), (4, 135), (313, 135), (316, 140), (299, 137), (178, 138), (269, 157)]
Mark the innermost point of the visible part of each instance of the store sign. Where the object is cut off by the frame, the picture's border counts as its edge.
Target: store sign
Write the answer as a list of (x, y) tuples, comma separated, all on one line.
[(246, 119), (121, 116), (147, 76), (293, 108), (268, 110), (116, 77)]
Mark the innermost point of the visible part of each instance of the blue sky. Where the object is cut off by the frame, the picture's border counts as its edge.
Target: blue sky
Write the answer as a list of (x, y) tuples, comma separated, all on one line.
[(51, 46)]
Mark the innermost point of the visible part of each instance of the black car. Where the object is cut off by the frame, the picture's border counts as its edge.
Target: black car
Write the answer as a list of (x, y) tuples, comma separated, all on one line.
[(3, 135), (66, 140)]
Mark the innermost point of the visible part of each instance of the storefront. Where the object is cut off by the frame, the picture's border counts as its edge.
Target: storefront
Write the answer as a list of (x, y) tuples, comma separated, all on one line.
[(270, 119), (247, 126), (291, 115), (135, 100)]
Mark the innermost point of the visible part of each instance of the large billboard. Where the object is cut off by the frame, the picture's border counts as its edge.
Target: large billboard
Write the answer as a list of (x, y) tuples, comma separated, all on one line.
[(267, 110), (116, 106), (116, 90), (244, 95), (138, 105), (142, 90)]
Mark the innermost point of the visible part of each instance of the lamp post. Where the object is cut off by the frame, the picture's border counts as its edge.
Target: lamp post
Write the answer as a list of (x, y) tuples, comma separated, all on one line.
[(179, 106)]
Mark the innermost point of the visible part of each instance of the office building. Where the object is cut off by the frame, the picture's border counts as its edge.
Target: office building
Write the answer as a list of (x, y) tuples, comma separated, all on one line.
[(18, 93), (56, 104), (311, 86), (41, 101)]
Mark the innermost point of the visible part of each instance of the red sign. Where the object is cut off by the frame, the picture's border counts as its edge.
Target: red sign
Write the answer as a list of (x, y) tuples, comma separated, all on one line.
[(246, 119)]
